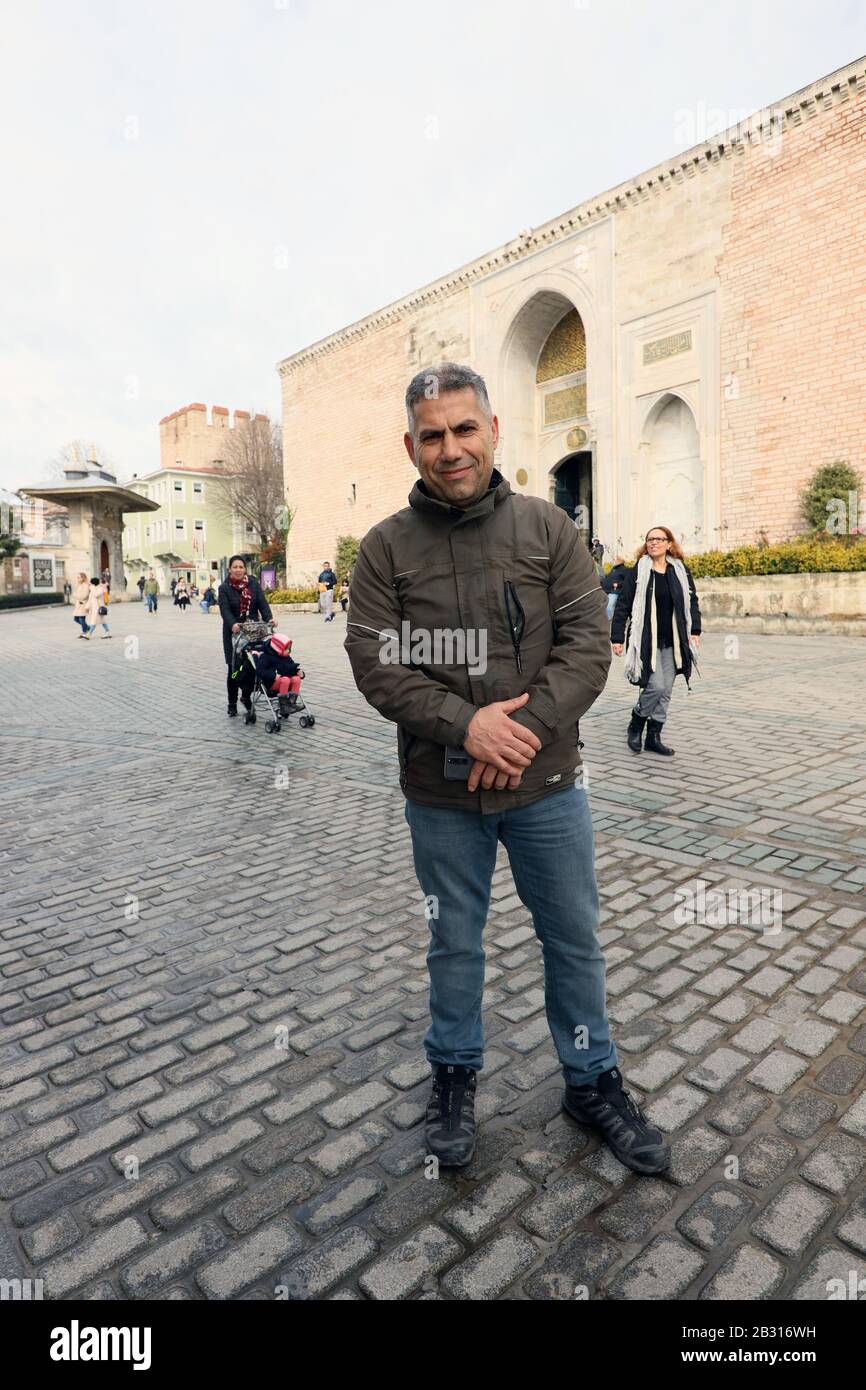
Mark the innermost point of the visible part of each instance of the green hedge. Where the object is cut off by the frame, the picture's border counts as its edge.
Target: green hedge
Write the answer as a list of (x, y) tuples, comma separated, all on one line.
[(788, 557), (28, 600), (812, 556), (292, 595)]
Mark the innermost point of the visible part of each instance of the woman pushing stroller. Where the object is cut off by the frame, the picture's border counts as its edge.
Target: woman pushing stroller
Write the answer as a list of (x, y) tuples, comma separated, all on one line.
[(241, 600)]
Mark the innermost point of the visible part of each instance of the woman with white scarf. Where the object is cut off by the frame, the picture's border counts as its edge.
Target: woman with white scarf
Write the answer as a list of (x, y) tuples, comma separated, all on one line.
[(658, 602)]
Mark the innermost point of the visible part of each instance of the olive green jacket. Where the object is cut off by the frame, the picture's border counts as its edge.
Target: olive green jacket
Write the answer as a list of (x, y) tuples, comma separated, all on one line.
[(467, 575)]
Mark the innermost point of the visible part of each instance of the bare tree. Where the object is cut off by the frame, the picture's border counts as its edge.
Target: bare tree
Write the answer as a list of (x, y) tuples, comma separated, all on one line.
[(251, 486), (76, 454)]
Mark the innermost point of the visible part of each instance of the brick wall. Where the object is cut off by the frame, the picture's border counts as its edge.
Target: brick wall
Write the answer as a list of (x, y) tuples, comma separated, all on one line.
[(344, 421), (793, 284)]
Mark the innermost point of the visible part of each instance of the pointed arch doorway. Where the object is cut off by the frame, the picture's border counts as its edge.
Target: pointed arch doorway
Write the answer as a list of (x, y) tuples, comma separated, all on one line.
[(571, 489)]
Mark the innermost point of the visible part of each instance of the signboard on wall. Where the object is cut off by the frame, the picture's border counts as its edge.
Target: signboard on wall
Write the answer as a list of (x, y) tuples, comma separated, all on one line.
[(268, 578), (42, 572)]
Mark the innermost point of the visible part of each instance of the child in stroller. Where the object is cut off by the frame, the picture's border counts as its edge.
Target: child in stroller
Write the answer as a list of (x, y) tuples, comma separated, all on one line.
[(278, 672), (271, 670)]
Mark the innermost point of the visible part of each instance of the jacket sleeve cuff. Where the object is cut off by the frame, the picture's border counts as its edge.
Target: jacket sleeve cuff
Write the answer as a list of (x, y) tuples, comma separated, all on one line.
[(455, 716), (534, 724)]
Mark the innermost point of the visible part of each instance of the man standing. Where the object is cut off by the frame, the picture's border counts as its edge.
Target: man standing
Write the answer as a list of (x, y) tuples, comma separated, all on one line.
[(507, 647), (326, 594), (151, 592)]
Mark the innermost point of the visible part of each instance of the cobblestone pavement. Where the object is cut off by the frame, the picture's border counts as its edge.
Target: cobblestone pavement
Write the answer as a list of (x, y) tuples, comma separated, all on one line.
[(212, 974)]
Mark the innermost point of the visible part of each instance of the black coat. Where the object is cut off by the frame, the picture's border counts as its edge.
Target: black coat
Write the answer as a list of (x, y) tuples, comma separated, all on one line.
[(230, 607), (612, 581), (622, 613), (269, 666)]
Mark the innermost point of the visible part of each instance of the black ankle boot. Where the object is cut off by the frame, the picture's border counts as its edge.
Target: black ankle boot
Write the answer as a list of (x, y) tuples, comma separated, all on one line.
[(449, 1129), (635, 731), (607, 1107), (653, 739), (232, 711)]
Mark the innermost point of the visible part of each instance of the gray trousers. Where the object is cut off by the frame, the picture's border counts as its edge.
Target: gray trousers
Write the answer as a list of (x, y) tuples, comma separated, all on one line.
[(656, 696)]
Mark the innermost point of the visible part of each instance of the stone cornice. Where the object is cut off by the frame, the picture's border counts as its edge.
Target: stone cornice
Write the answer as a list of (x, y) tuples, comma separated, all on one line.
[(821, 95)]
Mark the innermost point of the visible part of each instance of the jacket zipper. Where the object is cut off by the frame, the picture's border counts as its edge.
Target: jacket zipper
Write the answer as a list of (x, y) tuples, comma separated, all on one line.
[(516, 620)]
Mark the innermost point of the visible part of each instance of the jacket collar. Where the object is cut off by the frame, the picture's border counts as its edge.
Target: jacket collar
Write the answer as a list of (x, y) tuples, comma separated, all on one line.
[(422, 501)]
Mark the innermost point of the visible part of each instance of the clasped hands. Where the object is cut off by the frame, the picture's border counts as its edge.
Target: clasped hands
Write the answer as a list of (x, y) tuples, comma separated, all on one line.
[(501, 748)]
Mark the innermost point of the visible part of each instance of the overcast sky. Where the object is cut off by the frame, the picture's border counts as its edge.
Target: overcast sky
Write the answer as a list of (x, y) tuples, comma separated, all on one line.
[(194, 189)]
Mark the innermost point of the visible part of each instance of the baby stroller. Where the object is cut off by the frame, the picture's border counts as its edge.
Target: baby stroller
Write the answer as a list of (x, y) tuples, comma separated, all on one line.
[(252, 648)]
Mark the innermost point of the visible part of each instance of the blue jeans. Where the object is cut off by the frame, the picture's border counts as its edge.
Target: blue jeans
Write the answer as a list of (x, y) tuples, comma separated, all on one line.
[(150, 600), (550, 849)]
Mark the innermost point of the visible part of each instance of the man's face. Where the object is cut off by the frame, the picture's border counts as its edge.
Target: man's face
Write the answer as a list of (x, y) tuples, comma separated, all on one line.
[(453, 446)]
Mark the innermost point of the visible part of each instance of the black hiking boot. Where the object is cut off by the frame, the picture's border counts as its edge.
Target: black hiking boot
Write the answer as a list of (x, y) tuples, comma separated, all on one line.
[(449, 1129), (635, 731), (232, 711), (609, 1109), (653, 739)]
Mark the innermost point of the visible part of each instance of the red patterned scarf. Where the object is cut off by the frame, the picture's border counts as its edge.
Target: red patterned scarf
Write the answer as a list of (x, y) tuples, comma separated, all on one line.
[(246, 597)]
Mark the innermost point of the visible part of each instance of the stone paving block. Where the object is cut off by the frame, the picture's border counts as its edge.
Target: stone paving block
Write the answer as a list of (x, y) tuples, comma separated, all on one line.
[(563, 1204), (475, 1216), (832, 1273), (713, 1217), (805, 1114), (248, 1260), (765, 1159), (96, 1141), (733, 1008), (317, 1271), (793, 1217), (492, 1269), (341, 1202), (718, 1069), (693, 1153), (852, 1228), (748, 1274), (818, 980), (676, 1107), (699, 1035), (35, 1141), (835, 1164), (842, 1076), (718, 981), (339, 1154), (150, 1146), (246, 1211), (564, 1142), (638, 1210), (194, 1197), (51, 1237), (413, 1204), (172, 1259), (652, 1072), (767, 982), (573, 1268), (777, 1072), (641, 1035), (355, 1104), (92, 1257), (758, 1035), (403, 1270), (809, 1037), (842, 1007), (57, 1196), (662, 1271), (132, 1193)]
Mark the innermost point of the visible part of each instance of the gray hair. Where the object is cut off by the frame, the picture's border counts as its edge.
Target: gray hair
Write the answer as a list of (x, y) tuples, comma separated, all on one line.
[(448, 376)]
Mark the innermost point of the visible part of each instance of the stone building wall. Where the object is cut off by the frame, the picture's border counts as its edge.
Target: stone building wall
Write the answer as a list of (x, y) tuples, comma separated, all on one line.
[(722, 294), (188, 440)]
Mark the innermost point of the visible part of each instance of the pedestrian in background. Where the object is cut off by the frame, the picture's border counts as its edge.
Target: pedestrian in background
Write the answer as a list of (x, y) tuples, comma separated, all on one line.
[(612, 583), (181, 596), (140, 582), (327, 580), (82, 595), (241, 599), (103, 598), (151, 592), (659, 601)]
